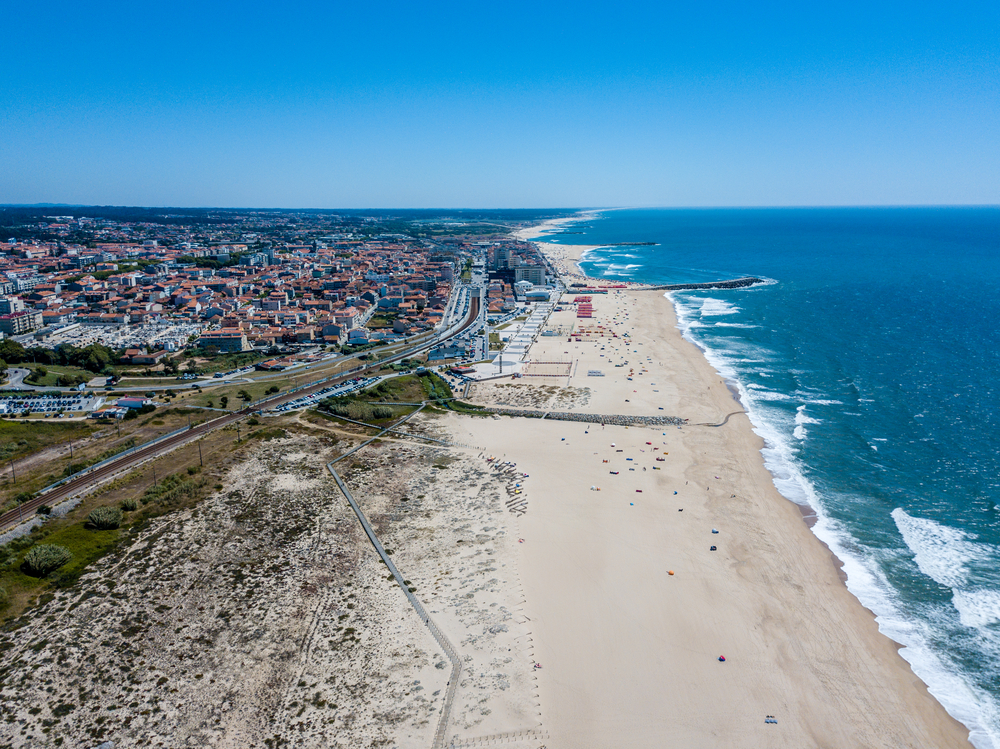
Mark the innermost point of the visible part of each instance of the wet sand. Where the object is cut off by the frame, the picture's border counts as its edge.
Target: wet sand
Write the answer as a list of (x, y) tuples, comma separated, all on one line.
[(629, 653)]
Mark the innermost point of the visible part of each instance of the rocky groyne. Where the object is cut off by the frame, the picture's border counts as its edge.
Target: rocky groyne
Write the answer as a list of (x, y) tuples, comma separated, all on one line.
[(736, 283), (615, 419)]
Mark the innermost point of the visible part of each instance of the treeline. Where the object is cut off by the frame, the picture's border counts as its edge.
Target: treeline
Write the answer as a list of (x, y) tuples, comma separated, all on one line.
[(17, 215), (94, 358)]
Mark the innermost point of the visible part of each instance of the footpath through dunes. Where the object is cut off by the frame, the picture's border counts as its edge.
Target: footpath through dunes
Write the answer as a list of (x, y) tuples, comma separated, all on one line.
[(650, 553), (264, 617)]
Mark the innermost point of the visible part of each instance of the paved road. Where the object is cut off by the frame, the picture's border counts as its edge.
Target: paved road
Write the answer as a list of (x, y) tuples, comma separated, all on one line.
[(16, 377), (85, 480)]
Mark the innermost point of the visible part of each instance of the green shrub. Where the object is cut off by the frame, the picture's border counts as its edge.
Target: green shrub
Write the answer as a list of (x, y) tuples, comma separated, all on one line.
[(357, 410), (73, 468), (4, 597), (105, 518), (45, 558), (171, 489), (129, 504)]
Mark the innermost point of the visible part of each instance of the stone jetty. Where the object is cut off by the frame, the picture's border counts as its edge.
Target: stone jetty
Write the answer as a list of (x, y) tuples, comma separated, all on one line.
[(615, 419), (736, 283)]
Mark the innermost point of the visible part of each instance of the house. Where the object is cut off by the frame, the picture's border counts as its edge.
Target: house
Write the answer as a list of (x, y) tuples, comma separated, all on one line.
[(153, 358), (111, 412), (226, 340), (133, 402), (357, 337)]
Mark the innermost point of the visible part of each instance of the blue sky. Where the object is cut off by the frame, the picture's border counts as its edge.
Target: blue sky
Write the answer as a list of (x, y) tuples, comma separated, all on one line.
[(384, 104)]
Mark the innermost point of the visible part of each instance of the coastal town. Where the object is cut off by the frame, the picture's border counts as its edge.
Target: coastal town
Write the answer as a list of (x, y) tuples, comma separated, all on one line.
[(164, 292), (401, 542)]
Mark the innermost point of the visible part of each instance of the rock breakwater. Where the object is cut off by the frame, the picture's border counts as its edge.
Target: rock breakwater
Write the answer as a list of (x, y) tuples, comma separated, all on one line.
[(615, 419)]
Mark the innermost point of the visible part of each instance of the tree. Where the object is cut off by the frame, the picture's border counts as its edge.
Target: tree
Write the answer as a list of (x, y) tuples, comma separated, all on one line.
[(66, 381), (225, 401), (170, 366), (245, 396), (12, 351)]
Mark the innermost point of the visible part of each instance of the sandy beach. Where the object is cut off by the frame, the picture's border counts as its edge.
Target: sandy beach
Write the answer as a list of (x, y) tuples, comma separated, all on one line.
[(564, 257), (590, 592), (630, 654)]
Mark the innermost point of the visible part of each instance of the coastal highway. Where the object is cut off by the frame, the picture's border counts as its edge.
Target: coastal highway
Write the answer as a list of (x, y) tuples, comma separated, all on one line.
[(87, 479)]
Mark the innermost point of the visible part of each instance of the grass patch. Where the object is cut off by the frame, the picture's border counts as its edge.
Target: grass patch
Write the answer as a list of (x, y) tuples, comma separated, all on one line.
[(358, 410), (214, 394), (406, 389), (184, 488), (86, 546), (435, 386), (172, 490), (227, 362), (274, 433), (21, 437), (53, 373)]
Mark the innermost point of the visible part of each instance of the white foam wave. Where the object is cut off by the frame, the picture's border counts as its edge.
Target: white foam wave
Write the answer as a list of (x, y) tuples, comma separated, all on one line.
[(824, 402), (711, 307), (758, 393), (941, 553), (977, 608), (974, 708), (801, 420), (734, 325)]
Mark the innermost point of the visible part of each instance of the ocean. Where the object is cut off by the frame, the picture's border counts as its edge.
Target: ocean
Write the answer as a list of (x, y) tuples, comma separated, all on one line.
[(869, 364)]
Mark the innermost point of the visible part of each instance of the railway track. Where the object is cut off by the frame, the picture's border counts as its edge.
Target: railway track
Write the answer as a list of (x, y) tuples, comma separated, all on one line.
[(106, 470)]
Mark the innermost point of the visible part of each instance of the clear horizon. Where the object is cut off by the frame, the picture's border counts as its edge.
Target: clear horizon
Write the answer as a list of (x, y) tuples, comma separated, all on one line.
[(648, 105)]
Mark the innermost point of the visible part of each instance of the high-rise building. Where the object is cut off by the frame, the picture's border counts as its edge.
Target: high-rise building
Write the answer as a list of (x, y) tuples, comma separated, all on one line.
[(10, 304)]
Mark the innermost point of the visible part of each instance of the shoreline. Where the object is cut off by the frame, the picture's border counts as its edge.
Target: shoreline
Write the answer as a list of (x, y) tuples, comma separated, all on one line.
[(843, 717)]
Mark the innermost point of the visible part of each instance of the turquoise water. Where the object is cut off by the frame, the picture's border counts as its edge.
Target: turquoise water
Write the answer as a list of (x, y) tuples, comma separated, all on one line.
[(869, 366)]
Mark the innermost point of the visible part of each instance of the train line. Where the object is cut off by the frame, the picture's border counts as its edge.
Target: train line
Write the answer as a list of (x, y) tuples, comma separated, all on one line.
[(129, 460)]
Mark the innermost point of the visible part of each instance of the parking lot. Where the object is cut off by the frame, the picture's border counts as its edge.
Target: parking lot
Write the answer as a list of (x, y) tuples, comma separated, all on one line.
[(15, 404), (158, 335), (351, 386)]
